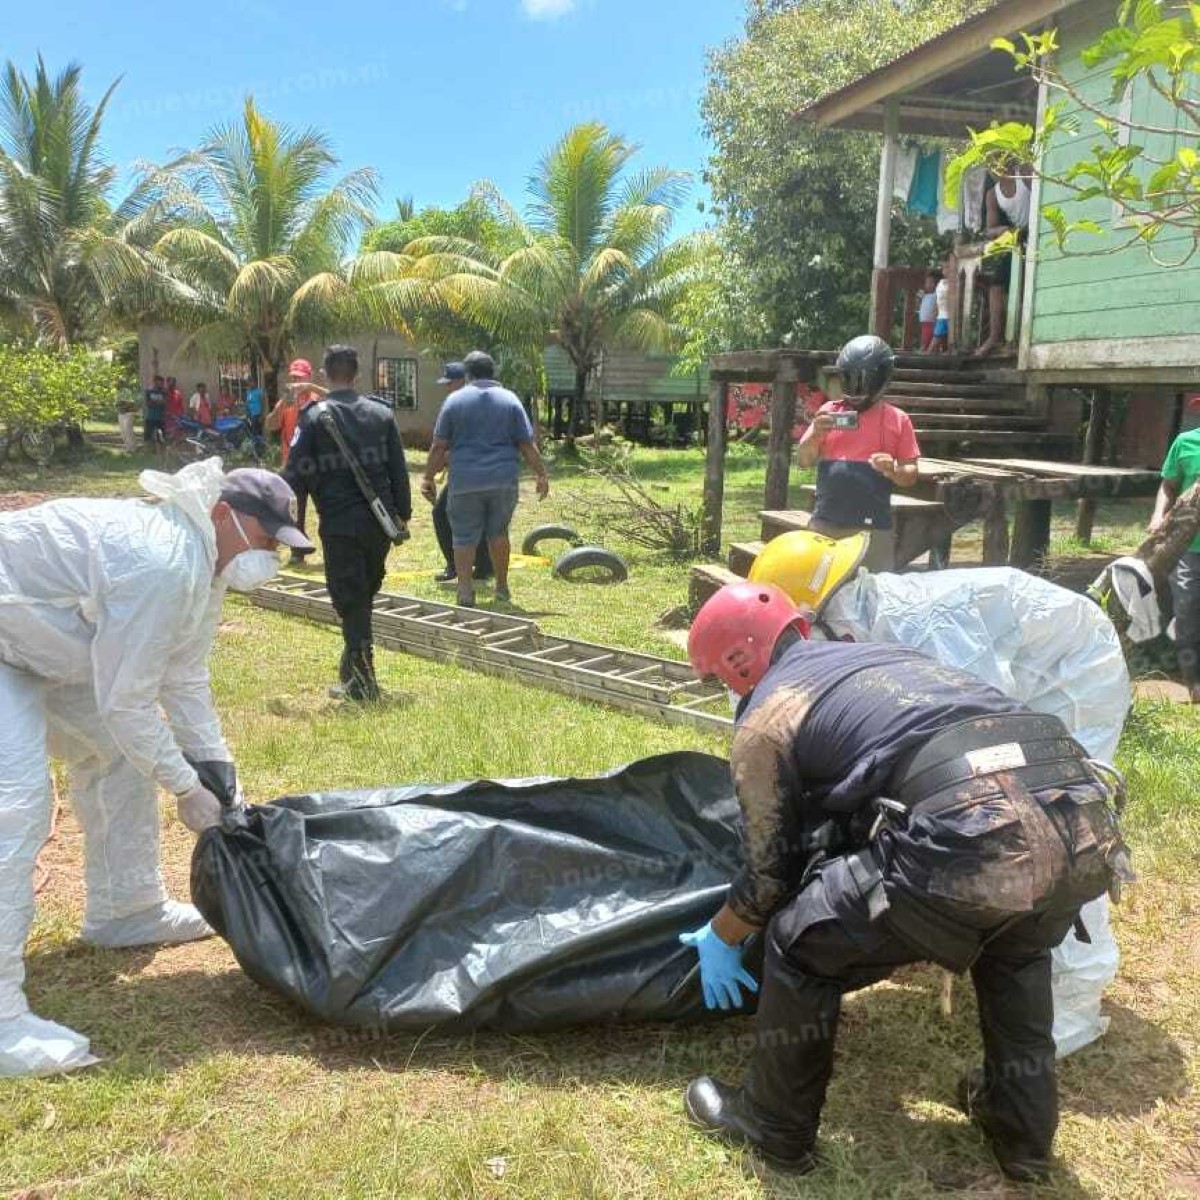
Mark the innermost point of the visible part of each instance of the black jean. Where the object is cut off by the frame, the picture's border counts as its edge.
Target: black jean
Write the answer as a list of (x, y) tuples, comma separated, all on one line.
[(824, 944), (355, 564), (445, 538)]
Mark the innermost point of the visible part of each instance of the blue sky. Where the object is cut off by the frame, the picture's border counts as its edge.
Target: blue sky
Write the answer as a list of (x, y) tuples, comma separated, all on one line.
[(431, 93)]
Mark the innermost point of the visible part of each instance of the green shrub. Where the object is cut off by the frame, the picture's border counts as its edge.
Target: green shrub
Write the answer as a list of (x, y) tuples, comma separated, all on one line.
[(45, 387)]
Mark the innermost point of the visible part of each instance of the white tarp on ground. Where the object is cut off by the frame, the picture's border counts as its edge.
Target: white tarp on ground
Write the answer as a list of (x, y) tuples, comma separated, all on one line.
[(1053, 650)]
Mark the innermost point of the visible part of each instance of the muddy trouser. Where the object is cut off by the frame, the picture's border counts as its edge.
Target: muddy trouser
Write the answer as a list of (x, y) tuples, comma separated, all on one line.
[(983, 871), (1185, 592), (445, 538), (355, 564), (825, 943)]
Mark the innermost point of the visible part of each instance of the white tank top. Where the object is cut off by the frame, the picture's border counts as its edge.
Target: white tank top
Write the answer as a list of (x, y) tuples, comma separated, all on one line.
[(1016, 206)]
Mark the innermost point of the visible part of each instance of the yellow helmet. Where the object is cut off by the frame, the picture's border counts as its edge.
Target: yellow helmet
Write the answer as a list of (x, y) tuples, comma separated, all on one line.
[(808, 566)]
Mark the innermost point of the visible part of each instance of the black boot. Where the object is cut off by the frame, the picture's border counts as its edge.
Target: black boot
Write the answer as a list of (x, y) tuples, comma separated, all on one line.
[(724, 1111), (338, 691), (1022, 1164), (779, 1107), (363, 687), (1014, 1096)]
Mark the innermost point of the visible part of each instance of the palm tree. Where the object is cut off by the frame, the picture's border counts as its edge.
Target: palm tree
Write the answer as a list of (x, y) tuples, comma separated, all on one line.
[(64, 251), (589, 267), (261, 240)]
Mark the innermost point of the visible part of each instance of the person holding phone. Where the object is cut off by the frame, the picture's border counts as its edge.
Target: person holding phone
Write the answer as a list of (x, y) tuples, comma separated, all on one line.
[(863, 448)]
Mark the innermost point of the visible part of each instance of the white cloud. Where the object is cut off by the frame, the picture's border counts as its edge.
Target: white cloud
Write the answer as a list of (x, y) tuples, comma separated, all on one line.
[(546, 10)]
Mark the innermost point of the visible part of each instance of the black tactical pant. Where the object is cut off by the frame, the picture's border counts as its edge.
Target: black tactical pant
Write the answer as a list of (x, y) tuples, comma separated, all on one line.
[(445, 538), (355, 564), (824, 943)]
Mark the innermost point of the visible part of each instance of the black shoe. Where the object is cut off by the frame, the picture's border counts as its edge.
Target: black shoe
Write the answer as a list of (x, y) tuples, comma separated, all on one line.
[(1016, 1162), (363, 687), (721, 1110), (446, 575), (484, 574)]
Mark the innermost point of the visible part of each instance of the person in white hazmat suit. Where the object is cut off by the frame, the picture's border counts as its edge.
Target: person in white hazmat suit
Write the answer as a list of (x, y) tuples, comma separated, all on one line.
[(1048, 647), (108, 610)]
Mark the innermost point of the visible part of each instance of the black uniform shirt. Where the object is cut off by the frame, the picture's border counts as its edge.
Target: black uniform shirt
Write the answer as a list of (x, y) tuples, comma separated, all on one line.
[(316, 465), (821, 735)]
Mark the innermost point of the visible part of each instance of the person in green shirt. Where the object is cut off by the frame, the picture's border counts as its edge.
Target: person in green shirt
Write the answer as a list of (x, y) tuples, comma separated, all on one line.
[(1180, 472)]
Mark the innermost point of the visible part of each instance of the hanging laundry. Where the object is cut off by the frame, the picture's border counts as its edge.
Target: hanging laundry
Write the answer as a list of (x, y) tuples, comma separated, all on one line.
[(923, 195), (947, 217), (906, 166), (970, 204)]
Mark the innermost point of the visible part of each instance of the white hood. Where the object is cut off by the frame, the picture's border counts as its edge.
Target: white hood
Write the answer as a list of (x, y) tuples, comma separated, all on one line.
[(193, 489)]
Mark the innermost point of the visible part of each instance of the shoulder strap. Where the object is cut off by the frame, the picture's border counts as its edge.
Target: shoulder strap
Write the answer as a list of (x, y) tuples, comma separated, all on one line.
[(323, 415)]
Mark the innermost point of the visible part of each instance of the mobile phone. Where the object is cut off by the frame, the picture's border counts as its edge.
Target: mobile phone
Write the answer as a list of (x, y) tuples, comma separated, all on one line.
[(845, 420)]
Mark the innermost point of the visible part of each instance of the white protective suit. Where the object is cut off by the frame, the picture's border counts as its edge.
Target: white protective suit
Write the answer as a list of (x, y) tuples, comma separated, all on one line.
[(107, 614), (1053, 650)]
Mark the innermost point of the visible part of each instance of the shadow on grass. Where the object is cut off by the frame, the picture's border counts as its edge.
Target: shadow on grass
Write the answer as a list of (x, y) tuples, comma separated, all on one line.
[(890, 1112)]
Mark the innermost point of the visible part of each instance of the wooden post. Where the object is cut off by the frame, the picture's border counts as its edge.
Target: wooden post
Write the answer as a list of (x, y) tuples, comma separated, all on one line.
[(714, 466), (1097, 429), (995, 531), (1030, 534), (883, 209), (779, 447)]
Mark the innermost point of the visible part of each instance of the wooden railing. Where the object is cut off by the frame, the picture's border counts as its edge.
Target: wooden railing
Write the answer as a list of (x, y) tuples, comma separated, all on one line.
[(896, 292), (890, 287), (968, 319)]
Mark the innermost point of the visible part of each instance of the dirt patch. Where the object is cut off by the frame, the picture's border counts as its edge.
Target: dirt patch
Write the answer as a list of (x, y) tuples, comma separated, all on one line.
[(11, 501), (1161, 689)]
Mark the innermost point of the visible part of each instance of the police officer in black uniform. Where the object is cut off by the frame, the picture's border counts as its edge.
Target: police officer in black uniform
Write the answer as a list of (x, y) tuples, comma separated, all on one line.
[(353, 543), (895, 810)]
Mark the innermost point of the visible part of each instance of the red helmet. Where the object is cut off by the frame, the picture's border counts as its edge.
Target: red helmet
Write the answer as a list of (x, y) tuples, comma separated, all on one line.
[(734, 634), (301, 367)]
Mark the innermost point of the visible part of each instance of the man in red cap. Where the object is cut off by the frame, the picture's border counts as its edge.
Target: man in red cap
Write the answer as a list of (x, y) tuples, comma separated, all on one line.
[(894, 810), (284, 418)]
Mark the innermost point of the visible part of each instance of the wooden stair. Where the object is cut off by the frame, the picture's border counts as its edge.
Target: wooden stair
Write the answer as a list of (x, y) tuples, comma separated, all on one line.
[(961, 408), (921, 526)]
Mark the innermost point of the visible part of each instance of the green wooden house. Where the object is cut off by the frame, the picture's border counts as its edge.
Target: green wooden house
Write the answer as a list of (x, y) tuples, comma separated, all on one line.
[(642, 394), (1115, 320)]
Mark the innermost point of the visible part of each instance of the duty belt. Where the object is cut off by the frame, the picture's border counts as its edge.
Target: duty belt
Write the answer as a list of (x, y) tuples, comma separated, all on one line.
[(1033, 748)]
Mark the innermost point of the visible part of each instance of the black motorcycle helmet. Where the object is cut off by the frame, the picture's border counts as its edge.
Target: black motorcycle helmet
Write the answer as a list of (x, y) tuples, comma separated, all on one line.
[(866, 364)]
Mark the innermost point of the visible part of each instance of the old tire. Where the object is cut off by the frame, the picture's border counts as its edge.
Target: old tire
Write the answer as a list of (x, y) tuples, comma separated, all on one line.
[(591, 564), (37, 445), (549, 533)]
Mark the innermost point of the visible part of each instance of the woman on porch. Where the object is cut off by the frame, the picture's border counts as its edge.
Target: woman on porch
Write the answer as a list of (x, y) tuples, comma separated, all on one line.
[(1006, 207)]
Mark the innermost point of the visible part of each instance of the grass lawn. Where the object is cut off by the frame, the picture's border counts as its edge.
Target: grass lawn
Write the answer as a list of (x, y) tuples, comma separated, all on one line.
[(210, 1087)]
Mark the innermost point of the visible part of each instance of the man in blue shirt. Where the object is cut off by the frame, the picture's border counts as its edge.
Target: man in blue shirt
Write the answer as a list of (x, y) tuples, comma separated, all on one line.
[(254, 414), (487, 431)]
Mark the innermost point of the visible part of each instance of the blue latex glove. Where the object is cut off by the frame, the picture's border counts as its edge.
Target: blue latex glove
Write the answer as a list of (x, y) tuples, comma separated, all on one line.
[(721, 968)]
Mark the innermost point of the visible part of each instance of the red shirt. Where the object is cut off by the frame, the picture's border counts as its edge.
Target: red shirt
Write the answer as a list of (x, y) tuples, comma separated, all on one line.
[(882, 428), (851, 494), (289, 418)]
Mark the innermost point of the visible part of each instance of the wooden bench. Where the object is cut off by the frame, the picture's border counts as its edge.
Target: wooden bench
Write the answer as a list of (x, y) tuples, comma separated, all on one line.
[(921, 526)]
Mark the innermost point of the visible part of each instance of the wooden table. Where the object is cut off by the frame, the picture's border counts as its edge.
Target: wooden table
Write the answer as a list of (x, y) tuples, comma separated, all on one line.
[(1030, 487)]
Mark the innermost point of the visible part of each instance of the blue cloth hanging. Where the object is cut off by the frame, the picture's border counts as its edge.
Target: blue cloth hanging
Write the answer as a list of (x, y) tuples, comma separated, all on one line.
[(923, 195)]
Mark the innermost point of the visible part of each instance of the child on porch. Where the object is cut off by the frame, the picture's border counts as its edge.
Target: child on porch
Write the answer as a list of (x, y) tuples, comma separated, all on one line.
[(927, 311), (940, 342)]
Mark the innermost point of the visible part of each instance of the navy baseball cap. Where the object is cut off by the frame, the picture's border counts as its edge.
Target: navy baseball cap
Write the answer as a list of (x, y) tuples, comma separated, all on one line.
[(453, 372), (267, 498)]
